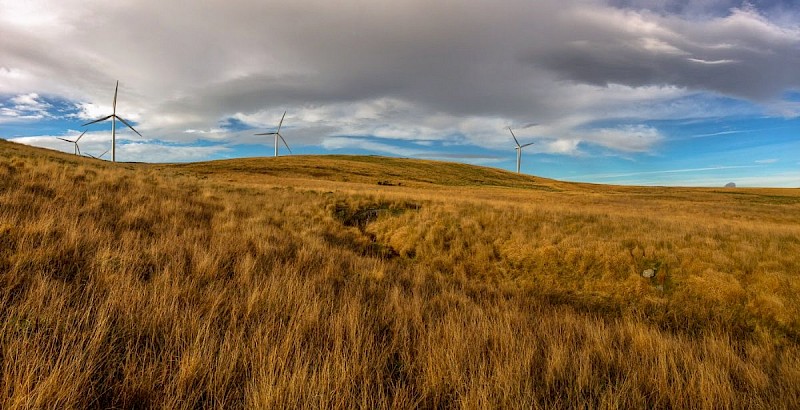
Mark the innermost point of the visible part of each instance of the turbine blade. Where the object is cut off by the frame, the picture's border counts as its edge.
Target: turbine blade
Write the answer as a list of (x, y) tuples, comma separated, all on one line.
[(64, 139), (104, 153), (101, 119), (129, 126), (280, 123), (77, 148), (115, 97), (284, 143), (80, 136), (267, 133), (513, 136), (530, 143)]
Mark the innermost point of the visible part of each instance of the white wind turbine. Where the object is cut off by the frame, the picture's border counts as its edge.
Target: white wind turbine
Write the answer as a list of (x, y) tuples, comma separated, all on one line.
[(518, 148), (278, 134), (75, 141), (114, 117), (99, 156)]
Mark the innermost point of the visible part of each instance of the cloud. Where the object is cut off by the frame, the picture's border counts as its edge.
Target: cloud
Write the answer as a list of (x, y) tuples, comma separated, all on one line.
[(766, 161), (410, 70), (129, 150), (562, 146), (337, 143), (370, 145), (89, 111), (781, 179), (662, 172), (92, 143), (627, 138), (715, 134), (148, 152), (483, 158), (24, 107), (742, 54), (715, 62)]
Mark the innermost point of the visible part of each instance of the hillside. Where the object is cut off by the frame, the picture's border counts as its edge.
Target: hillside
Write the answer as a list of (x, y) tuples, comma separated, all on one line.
[(302, 282), (371, 169)]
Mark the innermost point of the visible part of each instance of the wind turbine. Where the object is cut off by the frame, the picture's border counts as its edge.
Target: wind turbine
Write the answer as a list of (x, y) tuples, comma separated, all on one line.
[(278, 134), (75, 141), (518, 148), (99, 156), (114, 117)]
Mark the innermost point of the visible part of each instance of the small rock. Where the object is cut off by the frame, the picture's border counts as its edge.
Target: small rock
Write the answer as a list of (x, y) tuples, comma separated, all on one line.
[(649, 273)]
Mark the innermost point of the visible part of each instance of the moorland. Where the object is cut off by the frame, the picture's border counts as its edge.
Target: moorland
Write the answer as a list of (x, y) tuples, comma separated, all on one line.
[(372, 282)]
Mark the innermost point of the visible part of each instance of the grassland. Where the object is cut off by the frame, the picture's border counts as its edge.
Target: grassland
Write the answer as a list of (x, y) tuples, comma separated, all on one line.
[(300, 282)]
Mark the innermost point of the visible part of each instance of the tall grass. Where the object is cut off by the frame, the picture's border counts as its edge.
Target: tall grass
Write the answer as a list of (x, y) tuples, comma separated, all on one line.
[(164, 286)]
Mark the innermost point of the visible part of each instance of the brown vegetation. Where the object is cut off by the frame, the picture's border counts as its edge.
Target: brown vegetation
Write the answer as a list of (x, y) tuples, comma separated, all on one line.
[(301, 282)]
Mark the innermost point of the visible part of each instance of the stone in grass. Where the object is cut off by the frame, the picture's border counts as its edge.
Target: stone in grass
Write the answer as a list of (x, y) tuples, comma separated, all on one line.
[(649, 273)]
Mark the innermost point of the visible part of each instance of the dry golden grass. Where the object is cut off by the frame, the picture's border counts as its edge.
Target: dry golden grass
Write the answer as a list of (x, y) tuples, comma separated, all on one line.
[(301, 282)]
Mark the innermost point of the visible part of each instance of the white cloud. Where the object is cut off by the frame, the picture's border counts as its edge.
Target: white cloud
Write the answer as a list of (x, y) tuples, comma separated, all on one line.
[(29, 102), (91, 143), (25, 107), (89, 111), (701, 61), (629, 138), (128, 149), (335, 143), (147, 152), (715, 134), (785, 109), (712, 176), (565, 146), (779, 180), (202, 132), (662, 172)]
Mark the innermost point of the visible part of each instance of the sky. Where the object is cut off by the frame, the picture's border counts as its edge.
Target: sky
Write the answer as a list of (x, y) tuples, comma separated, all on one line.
[(643, 92)]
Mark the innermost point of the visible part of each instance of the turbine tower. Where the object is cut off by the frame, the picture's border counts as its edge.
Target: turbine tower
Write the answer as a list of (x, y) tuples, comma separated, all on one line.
[(278, 134), (114, 117), (75, 141), (518, 148)]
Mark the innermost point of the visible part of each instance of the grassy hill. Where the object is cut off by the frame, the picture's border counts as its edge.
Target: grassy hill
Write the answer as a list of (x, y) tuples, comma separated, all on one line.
[(303, 282), (371, 169)]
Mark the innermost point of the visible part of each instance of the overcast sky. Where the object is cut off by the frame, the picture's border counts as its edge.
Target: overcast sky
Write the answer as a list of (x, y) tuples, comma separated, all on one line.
[(620, 91)]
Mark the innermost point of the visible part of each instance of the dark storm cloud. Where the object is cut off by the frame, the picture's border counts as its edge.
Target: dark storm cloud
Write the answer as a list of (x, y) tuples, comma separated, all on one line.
[(741, 55)]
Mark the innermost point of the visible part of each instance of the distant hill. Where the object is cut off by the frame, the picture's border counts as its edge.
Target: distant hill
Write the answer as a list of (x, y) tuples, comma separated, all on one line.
[(369, 170), (373, 170)]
